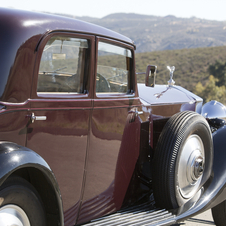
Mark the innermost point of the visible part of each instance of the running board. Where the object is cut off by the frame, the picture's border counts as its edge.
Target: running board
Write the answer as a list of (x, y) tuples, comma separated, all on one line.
[(143, 215)]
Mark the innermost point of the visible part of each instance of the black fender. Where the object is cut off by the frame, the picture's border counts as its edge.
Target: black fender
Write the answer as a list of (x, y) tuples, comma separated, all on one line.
[(14, 157), (215, 188)]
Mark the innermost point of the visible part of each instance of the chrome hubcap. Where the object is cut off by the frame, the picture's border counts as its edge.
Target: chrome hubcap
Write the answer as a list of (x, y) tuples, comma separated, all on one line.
[(12, 215), (191, 165)]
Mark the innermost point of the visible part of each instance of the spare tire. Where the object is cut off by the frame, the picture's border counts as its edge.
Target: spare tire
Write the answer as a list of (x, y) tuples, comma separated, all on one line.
[(182, 160)]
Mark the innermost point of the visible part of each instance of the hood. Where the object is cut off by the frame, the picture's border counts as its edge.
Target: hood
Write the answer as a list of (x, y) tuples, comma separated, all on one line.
[(164, 94)]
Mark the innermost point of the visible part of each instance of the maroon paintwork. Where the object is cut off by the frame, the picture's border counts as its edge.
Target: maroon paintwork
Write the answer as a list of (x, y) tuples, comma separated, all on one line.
[(91, 142)]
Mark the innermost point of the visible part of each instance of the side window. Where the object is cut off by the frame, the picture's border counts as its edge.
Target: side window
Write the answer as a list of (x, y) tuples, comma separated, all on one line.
[(113, 69), (63, 67)]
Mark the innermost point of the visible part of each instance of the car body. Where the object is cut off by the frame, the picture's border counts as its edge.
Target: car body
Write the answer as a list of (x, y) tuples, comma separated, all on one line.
[(77, 127)]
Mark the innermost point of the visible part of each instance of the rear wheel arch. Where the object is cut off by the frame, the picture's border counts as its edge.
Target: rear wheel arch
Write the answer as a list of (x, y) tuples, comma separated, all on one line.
[(21, 162)]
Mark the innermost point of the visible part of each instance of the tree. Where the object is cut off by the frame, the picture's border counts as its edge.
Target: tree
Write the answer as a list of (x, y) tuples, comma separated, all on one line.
[(211, 91), (218, 70)]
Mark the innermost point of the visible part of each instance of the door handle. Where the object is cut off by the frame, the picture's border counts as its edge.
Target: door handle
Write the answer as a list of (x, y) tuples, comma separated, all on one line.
[(37, 118)]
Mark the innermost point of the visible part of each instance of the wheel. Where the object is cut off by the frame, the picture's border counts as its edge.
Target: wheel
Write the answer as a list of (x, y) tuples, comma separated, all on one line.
[(182, 160), (219, 214), (20, 204)]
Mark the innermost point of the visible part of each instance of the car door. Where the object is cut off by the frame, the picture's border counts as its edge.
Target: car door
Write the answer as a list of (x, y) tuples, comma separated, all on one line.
[(114, 130), (61, 104)]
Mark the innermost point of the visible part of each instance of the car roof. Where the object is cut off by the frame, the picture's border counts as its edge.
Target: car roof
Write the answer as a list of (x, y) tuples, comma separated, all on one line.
[(40, 23), (20, 34)]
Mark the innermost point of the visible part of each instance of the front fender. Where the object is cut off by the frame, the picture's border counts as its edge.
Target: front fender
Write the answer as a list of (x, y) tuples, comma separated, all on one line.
[(215, 192), (14, 157)]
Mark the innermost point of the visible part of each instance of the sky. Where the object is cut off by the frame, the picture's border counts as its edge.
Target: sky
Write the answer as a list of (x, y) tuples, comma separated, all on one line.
[(204, 9)]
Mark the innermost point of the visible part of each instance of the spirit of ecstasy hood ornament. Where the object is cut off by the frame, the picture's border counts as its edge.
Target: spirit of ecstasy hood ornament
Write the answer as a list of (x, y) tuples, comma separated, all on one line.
[(171, 81)]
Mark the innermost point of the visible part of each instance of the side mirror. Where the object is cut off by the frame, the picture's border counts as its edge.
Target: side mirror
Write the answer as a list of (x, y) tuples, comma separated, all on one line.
[(150, 75)]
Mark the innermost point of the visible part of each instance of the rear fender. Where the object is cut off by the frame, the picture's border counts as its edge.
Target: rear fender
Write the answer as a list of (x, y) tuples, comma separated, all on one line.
[(14, 158)]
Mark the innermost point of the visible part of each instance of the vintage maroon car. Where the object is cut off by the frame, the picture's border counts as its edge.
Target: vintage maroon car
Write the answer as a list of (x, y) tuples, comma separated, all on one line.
[(82, 143)]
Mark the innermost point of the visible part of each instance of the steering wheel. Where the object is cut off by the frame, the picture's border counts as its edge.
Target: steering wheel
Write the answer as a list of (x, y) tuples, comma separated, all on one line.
[(102, 84)]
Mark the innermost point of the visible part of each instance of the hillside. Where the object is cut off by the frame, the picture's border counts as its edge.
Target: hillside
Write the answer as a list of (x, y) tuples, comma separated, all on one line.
[(191, 64), (152, 33)]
